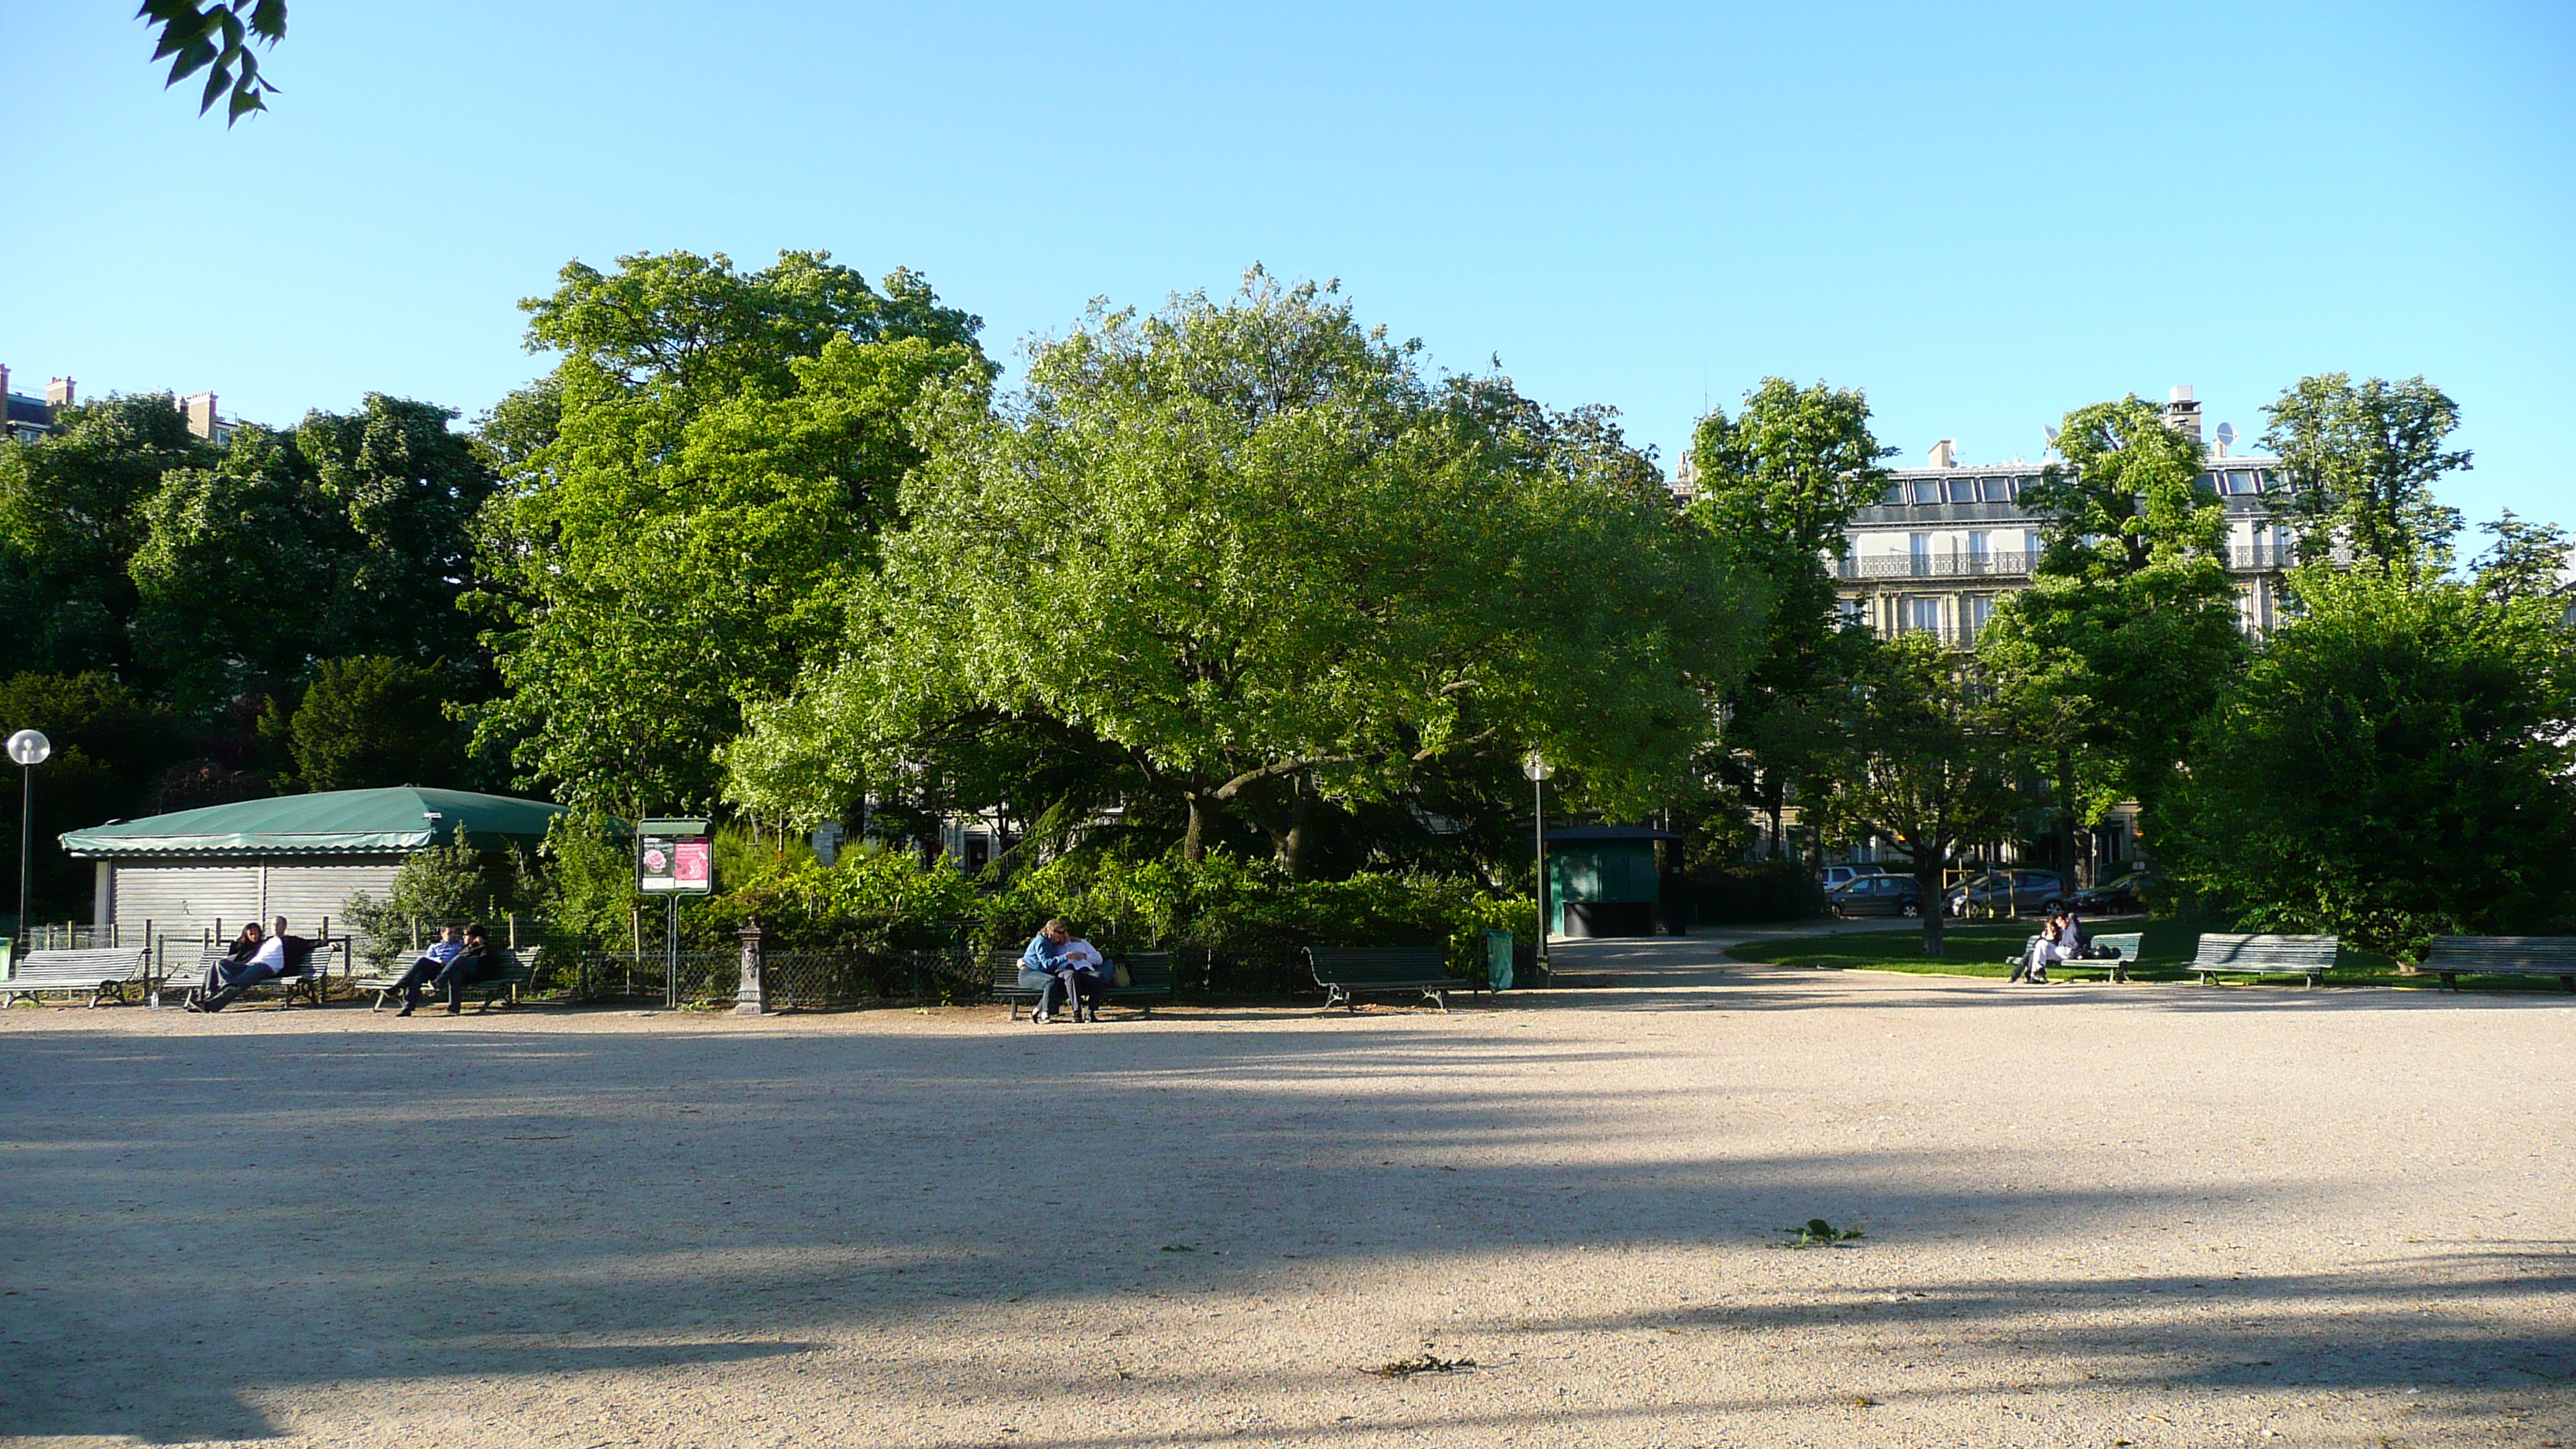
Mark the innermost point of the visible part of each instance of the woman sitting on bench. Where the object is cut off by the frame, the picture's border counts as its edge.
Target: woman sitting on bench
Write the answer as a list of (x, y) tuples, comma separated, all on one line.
[(255, 957)]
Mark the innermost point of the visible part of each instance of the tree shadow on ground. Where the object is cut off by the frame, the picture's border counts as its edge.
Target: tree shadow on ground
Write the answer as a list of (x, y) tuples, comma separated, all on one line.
[(465, 1202)]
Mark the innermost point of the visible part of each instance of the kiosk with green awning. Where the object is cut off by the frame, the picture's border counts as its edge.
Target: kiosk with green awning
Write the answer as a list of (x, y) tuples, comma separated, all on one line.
[(297, 856)]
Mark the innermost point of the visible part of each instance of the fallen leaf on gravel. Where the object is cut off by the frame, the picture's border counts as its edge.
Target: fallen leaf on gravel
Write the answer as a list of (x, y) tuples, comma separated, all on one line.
[(1420, 1363)]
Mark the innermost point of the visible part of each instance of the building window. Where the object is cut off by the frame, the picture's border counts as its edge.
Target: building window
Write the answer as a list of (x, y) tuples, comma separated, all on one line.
[(1924, 612), (1979, 545), (1963, 490), (1927, 490), (1998, 490), (2241, 482), (2032, 544), (1977, 609), (1852, 613), (1918, 551), (1895, 495)]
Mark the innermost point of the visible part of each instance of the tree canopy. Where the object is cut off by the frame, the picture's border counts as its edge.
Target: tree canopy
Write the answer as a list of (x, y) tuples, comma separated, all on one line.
[(1255, 556), (692, 495), (2363, 458)]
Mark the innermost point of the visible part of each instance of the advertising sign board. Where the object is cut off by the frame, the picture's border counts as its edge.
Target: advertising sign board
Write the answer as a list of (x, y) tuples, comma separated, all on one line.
[(674, 857)]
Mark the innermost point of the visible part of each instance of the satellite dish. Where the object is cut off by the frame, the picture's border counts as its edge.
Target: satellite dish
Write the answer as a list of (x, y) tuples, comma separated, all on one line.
[(2226, 433), (2048, 436)]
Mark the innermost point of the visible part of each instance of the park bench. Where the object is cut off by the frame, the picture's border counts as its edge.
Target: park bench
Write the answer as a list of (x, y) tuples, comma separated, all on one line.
[(2453, 957), (1149, 978), (106, 970), (1345, 972), (2116, 967), (510, 972), (2310, 957), (306, 980)]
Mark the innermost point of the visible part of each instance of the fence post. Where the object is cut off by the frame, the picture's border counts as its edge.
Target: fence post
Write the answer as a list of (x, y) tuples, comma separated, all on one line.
[(751, 998)]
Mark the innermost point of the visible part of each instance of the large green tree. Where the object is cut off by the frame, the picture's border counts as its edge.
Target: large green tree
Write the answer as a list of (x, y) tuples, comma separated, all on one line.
[(73, 510), (369, 722), (351, 534), (1250, 554), (2130, 627), (1780, 482), (2363, 458), (2395, 764), (1930, 763), (692, 496)]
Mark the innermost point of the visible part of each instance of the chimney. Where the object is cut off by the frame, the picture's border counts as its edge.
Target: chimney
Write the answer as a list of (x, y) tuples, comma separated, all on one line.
[(2182, 414), (58, 393), (1944, 454), (200, 408), (4, 385)]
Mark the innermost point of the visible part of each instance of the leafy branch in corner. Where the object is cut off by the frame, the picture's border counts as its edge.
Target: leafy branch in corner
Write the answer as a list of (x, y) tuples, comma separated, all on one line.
[(216, 38)]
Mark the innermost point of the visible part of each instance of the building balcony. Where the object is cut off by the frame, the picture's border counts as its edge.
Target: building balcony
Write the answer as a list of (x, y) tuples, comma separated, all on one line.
[(1935, 566)]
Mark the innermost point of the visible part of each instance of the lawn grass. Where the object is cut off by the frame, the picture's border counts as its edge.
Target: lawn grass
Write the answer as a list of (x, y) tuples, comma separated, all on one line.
[(1986, 948)]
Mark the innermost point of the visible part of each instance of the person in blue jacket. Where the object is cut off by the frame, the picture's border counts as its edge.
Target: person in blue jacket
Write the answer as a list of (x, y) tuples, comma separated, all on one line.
[(1042, 968)]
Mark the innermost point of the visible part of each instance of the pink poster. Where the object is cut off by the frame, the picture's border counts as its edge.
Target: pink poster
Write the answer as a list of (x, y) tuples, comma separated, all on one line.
[(694, 870)]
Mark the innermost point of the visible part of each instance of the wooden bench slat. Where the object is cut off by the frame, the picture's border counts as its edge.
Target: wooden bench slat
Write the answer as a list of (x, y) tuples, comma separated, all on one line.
[(97, 970), (1149, 975), (1345, 971), (2222, 954), (2453, 957)]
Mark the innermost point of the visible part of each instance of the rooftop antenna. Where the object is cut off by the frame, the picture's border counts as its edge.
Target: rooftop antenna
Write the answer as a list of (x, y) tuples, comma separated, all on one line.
[(2226, 438), (2048, 439)]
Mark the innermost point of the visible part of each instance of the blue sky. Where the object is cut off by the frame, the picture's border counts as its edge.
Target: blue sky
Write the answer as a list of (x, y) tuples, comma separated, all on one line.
[(1982, 215)]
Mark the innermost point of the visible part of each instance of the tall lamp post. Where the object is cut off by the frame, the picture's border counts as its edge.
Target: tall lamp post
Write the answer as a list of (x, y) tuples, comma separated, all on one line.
[(29, 748), (1538, 769)]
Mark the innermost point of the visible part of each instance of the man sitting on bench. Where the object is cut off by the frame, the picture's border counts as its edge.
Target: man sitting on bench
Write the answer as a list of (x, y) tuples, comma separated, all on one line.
[(427, 968), (471, 965), (1086, 976)]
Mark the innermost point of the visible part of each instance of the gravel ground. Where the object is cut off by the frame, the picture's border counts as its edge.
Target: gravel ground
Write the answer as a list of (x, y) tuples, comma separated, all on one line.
[(2140, 1215)]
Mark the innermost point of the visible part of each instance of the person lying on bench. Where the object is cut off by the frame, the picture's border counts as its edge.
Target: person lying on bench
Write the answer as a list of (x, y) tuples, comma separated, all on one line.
[(427, 966), (1042, 968), (1086, 976), (270, 955)]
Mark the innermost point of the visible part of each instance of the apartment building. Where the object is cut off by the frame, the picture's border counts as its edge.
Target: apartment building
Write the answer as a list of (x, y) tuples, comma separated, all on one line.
[(1948, 539), (28, 417)]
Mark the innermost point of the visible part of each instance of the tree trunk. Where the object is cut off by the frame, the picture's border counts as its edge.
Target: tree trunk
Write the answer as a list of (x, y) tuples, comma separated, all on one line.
[(2067, 861), (1927, 882), (1194, 840), (1296, 847)]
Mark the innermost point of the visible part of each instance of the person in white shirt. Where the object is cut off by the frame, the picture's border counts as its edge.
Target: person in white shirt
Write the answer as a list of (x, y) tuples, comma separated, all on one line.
[(1087, 972)]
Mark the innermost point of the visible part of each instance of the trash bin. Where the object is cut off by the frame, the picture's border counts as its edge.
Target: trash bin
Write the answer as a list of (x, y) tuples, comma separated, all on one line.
[(1498, 960)]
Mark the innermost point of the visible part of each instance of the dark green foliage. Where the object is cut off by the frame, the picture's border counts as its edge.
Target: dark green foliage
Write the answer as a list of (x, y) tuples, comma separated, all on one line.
[(111, 752), (369, 722), (2395, 765), (452, 884), (216, 37), (73, 510)]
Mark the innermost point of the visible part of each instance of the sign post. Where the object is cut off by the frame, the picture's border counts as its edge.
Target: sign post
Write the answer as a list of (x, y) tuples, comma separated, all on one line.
[(673, 858)]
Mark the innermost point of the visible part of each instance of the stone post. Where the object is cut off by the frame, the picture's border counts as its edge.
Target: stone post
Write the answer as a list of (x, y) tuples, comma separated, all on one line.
[(752, 997)]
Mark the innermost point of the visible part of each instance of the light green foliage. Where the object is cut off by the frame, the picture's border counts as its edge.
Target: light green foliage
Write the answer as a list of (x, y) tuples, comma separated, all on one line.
[(450, 884), (692, 499), (2364, 458), (348, 535), (73, 510), (370, 722), (1256, 558), (2129, 628), (1929, 768), (1779, 484), (2395, 764), (587, 873)]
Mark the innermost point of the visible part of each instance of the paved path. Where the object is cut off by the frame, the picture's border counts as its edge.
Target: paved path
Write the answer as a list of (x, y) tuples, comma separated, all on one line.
[(2158, 1216)]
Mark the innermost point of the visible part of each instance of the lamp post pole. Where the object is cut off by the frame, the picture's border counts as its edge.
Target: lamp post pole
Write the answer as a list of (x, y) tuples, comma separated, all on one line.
[(29, 748), (1538, 769)]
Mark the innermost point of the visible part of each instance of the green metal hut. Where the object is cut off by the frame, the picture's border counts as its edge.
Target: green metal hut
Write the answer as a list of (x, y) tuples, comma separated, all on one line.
[(1602, 880)]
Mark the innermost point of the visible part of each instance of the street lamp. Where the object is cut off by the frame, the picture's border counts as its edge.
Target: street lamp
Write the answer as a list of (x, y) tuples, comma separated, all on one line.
[(1538, 769), (29, 748)]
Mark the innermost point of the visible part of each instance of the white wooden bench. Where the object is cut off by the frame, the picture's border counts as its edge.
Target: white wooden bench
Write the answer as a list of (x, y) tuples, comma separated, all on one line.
[(2453, 957), (104, 970), (2309, 957)]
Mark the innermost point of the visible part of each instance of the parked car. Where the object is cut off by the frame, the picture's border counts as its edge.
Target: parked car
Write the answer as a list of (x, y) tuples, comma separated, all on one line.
[(1843, 875), (2007, 892), (2123, 896), (1877, 895)]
